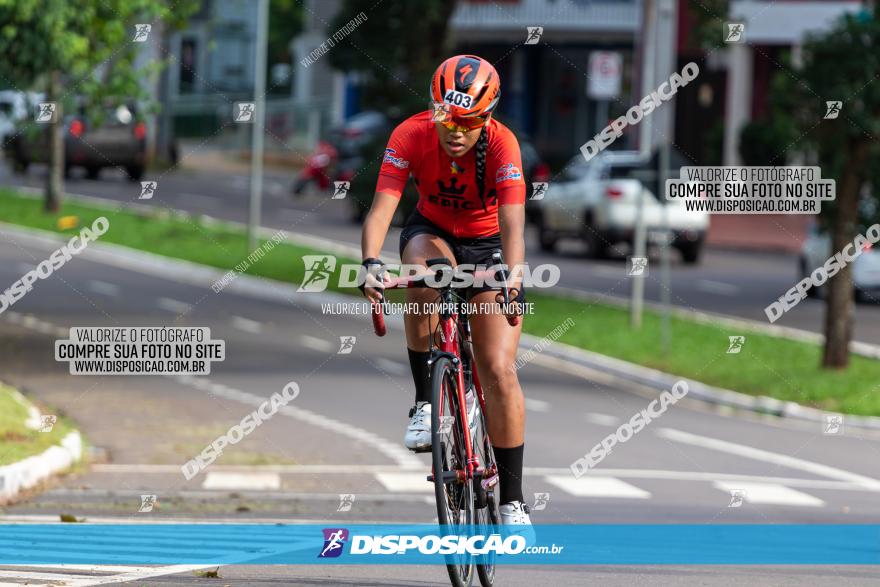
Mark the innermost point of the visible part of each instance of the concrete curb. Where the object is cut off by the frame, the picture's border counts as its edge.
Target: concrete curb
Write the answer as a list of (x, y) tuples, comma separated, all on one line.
[(660, 380), (278, 291), (31, 471)]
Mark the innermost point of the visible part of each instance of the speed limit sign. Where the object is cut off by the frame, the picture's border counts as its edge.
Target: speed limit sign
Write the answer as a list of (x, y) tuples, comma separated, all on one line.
[(606, 71)]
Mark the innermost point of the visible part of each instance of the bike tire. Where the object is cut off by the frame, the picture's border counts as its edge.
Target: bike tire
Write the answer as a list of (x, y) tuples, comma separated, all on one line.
[(489, 516), (455, 500)]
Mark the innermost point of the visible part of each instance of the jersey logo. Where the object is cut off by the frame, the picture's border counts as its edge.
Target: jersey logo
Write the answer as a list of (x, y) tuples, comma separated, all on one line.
[(450, 196), (455, 167), (464, 71), (508, 172), (393, 159)]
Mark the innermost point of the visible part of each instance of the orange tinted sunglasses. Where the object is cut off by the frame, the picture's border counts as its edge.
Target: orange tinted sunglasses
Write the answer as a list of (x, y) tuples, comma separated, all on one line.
[(457, 123)]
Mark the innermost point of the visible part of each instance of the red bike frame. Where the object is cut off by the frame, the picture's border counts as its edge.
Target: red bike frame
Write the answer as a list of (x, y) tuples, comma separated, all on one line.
[(449, 325)]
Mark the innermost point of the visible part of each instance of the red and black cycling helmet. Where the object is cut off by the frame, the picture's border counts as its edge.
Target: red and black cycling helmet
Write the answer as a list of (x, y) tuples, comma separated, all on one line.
[(467, 85)]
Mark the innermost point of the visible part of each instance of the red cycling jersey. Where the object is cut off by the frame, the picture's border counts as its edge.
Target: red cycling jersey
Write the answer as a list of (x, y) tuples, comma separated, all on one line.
[(447, 188)]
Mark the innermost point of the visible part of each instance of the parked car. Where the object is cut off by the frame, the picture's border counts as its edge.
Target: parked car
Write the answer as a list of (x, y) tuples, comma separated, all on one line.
[(865, 269), (13, 109), (116, 139), (597, 202), (354, 134)]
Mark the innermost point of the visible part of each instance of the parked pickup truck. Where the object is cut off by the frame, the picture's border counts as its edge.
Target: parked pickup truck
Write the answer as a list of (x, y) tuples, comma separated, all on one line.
[(597, 202)]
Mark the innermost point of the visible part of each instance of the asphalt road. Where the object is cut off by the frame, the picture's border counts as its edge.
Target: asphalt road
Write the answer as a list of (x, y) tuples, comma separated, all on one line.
[(344, 437), (735, 283)]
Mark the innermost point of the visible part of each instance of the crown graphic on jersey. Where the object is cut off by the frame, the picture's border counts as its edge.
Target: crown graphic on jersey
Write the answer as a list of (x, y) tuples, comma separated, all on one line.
[(451, 189)]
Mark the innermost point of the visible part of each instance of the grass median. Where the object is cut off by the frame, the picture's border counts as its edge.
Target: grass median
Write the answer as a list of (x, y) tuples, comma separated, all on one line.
[(767, 365), (17, 440)]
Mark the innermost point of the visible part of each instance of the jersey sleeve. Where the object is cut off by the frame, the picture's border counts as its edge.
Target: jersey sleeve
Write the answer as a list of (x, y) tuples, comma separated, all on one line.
[(396, 160), (505, 158)]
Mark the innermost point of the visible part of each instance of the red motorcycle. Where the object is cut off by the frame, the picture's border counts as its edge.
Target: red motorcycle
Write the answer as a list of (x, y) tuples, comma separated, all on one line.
[(319, 168)]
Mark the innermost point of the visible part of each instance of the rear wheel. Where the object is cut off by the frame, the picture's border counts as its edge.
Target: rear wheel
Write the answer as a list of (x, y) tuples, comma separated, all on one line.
[(20, 166), (596, 244), (546, 238), (135, 173), (455, 495), (92, 172), (815, 291)]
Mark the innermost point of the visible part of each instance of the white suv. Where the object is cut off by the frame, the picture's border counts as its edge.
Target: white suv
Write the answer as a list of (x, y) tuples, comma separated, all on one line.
[(596, 201)]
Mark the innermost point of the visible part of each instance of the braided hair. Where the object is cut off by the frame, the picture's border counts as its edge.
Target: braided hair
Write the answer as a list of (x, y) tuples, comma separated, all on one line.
[(480, 150)]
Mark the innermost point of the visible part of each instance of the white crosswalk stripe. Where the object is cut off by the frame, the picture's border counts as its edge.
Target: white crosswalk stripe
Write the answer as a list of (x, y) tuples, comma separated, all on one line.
[(242, 481), (405, 482), (593, 486), (770, 494)]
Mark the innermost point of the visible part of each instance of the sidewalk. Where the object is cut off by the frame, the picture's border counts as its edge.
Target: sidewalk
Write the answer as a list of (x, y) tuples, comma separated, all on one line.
[(198, 157), (765, 232)]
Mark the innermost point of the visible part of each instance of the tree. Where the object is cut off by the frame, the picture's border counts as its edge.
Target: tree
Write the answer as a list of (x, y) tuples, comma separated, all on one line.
[(842, 65), (397, 49), (285, 22), (82, 48)]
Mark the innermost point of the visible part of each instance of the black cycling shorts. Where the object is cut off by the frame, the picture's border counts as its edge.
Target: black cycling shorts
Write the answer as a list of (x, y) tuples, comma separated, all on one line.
[(475, 251)]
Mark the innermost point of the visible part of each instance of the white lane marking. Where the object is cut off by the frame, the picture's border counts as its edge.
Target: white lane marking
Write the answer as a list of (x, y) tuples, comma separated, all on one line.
[(103, 288), (405, 482), (247, 325), (318, 344), (243, 481), (275, 188), (393, 450), (717, 287), (767, 456), (389, 366), (770, 494), (597, 487), (174, 306), (537, 405), (606, 271), (355, 469), (601, 419), (200, 199), (69, 580)]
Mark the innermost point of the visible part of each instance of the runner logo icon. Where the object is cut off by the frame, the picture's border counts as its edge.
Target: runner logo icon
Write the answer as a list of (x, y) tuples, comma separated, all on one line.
[(334, 542)]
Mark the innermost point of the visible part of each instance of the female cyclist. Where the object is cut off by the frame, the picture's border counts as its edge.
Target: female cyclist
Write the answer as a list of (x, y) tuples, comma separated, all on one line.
[(467, 170)]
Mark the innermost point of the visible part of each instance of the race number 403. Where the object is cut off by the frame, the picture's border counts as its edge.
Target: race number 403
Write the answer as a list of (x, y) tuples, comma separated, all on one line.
[(457, 98)]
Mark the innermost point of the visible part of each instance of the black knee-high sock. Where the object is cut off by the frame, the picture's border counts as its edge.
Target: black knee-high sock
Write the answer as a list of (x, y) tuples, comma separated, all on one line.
[(418, 364), (510, 466)]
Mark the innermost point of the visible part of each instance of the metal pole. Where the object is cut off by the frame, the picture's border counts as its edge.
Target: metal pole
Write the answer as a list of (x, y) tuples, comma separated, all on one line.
[(601, 115), (664, 29), (259, 123), (639, 244)]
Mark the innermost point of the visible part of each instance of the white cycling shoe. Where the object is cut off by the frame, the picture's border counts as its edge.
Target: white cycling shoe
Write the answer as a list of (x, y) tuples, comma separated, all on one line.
[(516, 513), (418, 433)]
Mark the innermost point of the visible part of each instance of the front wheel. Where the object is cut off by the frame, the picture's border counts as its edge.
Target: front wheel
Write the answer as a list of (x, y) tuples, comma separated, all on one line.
[(454, 493), (690, 252), (485, 491)]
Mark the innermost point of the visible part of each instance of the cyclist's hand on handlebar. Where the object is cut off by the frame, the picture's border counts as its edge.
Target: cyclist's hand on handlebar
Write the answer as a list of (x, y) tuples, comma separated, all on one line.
[(374, 279), (515, 307)]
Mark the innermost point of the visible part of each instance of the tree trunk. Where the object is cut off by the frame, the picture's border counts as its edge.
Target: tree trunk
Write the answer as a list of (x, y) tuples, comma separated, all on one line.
[(54, 181), (839, 307)]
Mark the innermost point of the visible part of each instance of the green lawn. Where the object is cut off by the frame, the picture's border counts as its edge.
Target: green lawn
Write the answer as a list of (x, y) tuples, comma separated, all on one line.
[(767, 365), (17, 441)]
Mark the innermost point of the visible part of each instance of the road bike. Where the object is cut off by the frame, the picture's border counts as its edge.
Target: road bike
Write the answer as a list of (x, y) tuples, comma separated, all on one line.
[(464, 471)]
